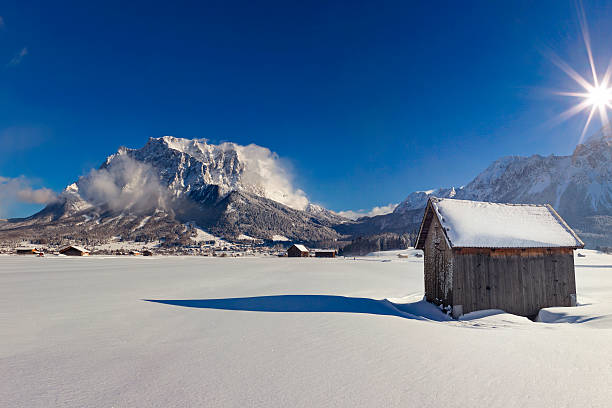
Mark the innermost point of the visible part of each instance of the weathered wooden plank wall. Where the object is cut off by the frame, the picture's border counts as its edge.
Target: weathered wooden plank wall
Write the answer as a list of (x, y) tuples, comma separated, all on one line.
[(518, 281)]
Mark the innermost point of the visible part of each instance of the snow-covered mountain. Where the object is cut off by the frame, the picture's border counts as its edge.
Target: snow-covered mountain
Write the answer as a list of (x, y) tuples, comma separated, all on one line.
[(170, 168), (578, 186), (228, 189)]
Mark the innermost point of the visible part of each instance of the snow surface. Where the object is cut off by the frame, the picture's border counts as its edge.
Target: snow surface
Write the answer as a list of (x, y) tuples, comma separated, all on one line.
[(279, 238), (142, 222), (493, 225), (202, 235), (246, 237), (290, 332)]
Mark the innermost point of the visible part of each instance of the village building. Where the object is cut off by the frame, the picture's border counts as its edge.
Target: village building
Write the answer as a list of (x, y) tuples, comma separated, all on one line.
[(514, 257), (73, 250), (297, 251), (325, 253), (26, 251)]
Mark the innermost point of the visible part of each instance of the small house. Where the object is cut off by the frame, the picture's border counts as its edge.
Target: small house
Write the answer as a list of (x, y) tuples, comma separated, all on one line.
[(297, 251), (325, 253), (480, 255), (73, 250), (26, 251)]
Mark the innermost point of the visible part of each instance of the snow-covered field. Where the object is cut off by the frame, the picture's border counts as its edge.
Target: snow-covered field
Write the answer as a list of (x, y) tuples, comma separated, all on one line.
[(79, 332)]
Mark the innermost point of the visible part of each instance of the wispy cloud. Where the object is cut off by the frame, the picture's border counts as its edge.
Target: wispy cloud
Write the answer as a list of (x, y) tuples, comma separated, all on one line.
[(1, 22), (355, 214), (18, 58), (19, 190), (36, 196)]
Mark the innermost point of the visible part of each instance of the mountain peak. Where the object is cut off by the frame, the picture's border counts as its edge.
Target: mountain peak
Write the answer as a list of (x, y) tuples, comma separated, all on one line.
[(602, 140), (182, 145)]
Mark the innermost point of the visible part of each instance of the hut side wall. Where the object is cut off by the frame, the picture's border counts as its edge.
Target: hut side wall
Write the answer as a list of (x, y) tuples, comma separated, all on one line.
[(438, 266), (74, 252), (294, 252), (519, 281)]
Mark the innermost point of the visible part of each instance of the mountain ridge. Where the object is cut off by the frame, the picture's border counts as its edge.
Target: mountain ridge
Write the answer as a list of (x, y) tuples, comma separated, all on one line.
[(578, 186), (234, 191)]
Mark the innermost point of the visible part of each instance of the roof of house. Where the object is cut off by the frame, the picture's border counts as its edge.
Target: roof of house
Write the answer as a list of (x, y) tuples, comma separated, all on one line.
[(476, 224), (78, 248), (326, 250), (301, 247)]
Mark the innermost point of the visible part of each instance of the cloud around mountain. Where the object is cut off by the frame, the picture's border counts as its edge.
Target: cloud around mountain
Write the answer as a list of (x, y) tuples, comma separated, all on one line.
[(127, 184), (265, 169)]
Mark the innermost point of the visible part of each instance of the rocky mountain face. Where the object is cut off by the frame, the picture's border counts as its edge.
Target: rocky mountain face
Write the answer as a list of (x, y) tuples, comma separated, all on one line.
[(578, 186), (159, 190)]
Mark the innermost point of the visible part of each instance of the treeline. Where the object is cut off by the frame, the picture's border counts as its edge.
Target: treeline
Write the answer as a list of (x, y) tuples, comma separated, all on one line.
[(373, 243)]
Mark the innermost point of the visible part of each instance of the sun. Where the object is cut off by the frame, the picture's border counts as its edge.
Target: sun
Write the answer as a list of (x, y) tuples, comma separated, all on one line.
[(596, 95), (599, 97)]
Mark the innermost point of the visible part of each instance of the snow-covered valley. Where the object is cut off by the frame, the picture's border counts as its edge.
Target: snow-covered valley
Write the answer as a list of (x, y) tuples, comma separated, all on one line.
[(268, 332)]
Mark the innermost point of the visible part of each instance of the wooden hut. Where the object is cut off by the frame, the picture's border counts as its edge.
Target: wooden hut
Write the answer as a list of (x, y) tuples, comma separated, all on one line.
[(514, 257), (74, 250), (26, 251), (325, 253), (297, 251)]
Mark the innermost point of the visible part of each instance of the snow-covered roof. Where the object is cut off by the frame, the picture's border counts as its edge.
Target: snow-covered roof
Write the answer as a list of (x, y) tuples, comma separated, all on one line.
[(78, 248), (476, 224), (301, 247)]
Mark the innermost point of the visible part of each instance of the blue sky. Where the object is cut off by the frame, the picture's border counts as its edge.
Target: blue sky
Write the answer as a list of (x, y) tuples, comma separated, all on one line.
[(369, 101)]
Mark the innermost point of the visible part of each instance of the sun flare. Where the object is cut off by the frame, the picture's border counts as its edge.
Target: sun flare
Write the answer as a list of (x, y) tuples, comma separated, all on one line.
[(596, 96)]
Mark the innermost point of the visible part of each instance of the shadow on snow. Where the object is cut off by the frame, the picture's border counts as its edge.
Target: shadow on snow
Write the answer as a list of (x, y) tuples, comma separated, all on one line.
[(548, 316), (420, 310)]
